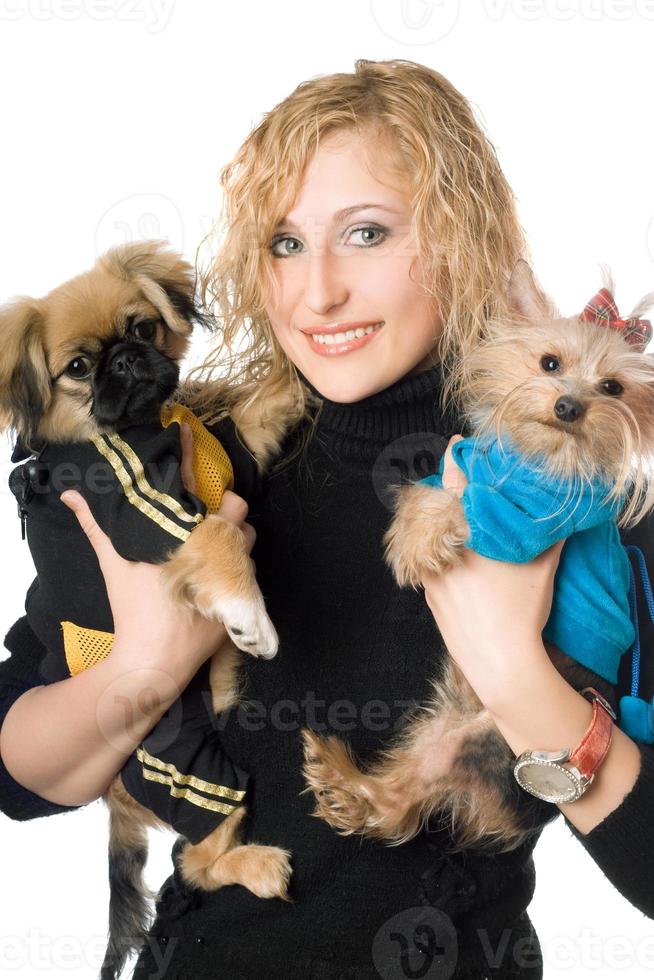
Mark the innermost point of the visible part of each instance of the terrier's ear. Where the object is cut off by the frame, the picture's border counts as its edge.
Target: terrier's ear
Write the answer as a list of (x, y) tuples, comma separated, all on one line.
[(525, 296), (164, 278), (25, 382)]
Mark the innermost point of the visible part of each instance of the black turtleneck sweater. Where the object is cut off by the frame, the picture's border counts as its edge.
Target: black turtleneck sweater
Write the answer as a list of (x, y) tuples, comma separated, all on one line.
[(356, 655)]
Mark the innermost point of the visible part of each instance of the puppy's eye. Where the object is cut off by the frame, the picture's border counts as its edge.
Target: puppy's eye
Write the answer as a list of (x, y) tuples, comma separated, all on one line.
[(79, 368), (550, 363), (145, 330), (611, 387)]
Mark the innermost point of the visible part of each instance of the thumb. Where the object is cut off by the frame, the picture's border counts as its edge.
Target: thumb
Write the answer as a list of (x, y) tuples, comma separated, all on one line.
[(186, 439), (100, 542), (552, 554)]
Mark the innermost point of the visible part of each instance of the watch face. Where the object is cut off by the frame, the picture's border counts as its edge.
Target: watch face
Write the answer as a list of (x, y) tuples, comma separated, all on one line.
[(548, 781)]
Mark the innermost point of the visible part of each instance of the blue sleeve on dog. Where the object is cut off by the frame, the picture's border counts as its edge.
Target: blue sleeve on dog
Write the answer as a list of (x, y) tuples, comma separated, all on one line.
[(515, 511)]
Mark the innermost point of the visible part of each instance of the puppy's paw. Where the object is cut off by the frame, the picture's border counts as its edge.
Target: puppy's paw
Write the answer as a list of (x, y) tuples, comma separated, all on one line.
[(427, 533), (337, 784), (270, 871), (246, 621), (263, 870)]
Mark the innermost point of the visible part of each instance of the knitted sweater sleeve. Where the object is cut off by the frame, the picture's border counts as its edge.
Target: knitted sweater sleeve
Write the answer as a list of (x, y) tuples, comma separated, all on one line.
[(622, 845), (18, 673)]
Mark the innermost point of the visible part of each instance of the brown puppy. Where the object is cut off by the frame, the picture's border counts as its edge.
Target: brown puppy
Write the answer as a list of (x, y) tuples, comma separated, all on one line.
[(97, 354), (579, 400)]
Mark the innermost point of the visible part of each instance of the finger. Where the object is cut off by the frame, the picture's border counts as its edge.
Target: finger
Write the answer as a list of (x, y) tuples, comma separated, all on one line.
[(233, 507), (186, 440), (555, 549), (453, 476), (549, 558), (100, 542)]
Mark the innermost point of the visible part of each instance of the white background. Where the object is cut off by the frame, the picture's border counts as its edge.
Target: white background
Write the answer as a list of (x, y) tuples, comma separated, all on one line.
[(116, 118)]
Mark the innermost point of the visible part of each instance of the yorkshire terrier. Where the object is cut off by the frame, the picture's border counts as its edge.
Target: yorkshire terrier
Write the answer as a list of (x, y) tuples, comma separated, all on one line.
[(561, 411), (89, 372)]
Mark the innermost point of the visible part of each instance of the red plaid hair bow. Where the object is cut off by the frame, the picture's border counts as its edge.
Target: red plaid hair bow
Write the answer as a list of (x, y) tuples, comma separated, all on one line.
[(602, 309)]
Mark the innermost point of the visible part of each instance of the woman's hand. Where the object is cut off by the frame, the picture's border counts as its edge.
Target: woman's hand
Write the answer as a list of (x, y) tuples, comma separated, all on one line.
[(149, 628), (491, 613)]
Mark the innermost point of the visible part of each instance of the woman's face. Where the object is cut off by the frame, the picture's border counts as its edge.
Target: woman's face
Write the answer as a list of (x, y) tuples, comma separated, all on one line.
[(341, 264)]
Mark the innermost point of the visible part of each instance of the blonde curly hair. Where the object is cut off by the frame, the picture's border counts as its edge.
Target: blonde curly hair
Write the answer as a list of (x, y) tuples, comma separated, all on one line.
[(466, 224)]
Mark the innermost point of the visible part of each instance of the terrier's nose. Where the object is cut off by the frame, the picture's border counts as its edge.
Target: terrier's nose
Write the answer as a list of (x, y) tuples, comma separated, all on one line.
[(568, 409)]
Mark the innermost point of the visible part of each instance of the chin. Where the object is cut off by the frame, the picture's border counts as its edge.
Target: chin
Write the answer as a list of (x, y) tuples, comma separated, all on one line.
[(350, 383), (346, 390)]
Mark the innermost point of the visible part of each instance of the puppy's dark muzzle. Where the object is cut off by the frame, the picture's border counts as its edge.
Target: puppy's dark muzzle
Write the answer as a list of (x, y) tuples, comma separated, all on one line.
[(131, 383), (126, 361)]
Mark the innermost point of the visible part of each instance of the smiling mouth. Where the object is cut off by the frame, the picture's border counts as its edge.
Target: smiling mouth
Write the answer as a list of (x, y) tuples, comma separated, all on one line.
[(345, 336)]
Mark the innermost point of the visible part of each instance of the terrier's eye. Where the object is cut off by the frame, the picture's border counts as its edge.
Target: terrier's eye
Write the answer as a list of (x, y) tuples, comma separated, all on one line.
[(550, 363), (79, 368), (611, 387)]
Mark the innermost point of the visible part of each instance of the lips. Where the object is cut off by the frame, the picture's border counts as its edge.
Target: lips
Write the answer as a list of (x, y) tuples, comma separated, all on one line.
[(339, 327), (366, 332)]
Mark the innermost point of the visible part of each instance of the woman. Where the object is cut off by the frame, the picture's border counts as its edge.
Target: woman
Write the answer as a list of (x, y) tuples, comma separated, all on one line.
[(368, 202)]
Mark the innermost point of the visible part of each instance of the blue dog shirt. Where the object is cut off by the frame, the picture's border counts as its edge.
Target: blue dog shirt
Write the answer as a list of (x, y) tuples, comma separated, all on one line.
[(515, 510)]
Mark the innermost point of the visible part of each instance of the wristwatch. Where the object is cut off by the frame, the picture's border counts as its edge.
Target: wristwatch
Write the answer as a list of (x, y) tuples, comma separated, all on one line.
[(562, 777)]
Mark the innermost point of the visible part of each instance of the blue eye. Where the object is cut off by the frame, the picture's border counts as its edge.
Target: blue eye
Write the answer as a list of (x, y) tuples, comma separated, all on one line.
[(285, 245)]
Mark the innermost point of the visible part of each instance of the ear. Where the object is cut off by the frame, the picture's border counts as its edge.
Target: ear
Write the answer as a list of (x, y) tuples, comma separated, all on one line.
[(525, 296), (25, 382), (164, 278)]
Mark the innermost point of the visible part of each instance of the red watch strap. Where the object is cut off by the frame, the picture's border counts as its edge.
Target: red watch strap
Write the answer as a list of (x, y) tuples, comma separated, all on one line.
[(589, 754)]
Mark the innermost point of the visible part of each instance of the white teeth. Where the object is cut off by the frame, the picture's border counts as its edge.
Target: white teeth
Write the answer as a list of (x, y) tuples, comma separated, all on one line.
[(340, 338)]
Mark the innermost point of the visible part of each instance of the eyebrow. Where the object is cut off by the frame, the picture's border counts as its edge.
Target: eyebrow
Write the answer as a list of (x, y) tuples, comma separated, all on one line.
[(344, 213)]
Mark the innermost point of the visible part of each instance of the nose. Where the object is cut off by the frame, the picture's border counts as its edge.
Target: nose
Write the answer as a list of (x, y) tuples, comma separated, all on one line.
[(123, 360), (568, 409), (324, 287)]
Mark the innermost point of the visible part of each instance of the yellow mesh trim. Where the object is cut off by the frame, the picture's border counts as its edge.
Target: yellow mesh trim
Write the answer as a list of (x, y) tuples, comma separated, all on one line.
[(84, 647), (211, 465)]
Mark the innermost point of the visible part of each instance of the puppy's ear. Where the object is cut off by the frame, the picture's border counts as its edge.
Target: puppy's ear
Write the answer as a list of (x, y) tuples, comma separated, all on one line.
[(525, 296), (25, 382), (164, 278)]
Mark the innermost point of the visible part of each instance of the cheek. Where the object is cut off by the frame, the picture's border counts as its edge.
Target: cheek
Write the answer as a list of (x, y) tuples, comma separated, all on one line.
[(288, 279), (392, 277)]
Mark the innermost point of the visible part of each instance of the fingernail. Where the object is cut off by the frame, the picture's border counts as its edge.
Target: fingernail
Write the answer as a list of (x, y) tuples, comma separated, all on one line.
[(69, 497)]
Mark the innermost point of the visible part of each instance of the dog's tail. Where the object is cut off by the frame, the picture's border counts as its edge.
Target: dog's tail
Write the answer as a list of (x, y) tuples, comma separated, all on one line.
[(129, 899)]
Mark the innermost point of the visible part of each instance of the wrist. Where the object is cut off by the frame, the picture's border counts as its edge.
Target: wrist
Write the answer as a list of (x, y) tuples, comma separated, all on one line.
[(517, 669), (168, 670), (541, 711)]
